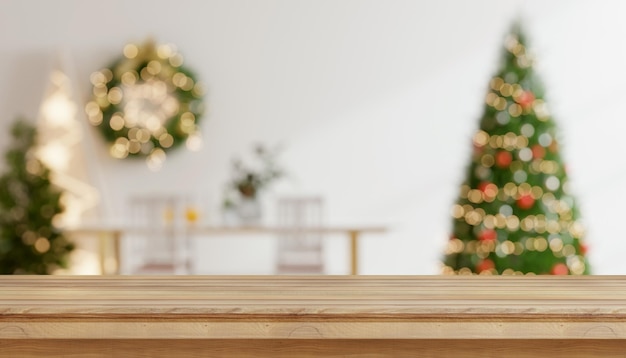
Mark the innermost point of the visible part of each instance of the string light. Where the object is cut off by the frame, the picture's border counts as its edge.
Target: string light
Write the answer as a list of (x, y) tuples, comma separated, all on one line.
[(60, 149)]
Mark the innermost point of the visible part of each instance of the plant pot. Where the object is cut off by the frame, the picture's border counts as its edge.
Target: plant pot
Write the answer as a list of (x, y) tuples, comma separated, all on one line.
[(249, 211)]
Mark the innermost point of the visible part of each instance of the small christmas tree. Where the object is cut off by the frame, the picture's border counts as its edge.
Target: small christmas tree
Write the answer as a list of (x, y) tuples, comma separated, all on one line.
[(29, 242), (515, 213)]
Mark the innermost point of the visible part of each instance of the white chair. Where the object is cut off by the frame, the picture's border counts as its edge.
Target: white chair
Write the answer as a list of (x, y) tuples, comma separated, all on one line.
[(158, 239), (300, 249)]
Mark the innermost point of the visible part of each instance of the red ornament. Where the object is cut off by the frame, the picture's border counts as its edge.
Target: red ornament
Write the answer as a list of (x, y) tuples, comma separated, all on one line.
[(583, 249), (560, 269), (488, 188), (485, 265), (503, 159), (525, 99), (525, 202), (488, 235), (538, 151)]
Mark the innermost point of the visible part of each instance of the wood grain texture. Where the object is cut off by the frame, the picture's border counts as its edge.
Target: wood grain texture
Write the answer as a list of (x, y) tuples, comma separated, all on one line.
[(244, 316), (311, 348)]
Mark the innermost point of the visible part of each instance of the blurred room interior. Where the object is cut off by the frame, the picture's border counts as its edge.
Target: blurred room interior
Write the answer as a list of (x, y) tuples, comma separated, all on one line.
[(366, 109)]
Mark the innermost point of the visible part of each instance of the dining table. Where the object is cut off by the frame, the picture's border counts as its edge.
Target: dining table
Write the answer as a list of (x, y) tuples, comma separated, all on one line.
[(112, 234)]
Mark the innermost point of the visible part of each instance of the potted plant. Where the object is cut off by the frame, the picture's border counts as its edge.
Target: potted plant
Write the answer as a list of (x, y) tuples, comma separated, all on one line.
[(248, 181)]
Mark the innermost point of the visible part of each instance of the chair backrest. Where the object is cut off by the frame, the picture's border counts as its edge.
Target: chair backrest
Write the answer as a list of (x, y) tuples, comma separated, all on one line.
[(158, 240), (300, 246)]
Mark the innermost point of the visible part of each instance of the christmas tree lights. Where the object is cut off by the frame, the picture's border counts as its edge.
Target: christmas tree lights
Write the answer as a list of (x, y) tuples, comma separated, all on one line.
[(30, 207), (515, 213)]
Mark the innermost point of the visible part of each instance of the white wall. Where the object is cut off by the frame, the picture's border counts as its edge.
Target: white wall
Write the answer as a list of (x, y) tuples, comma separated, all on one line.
[(374, 100)]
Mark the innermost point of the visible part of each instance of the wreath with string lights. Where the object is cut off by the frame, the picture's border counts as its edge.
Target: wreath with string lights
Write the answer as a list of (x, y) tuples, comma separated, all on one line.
[(146, 103)]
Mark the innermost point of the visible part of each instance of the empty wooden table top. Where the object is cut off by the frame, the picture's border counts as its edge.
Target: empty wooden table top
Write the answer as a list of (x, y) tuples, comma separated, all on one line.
[(316, 308)]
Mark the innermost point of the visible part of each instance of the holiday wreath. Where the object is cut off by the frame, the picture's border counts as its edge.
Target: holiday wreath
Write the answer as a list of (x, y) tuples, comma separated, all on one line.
[(146, 103)]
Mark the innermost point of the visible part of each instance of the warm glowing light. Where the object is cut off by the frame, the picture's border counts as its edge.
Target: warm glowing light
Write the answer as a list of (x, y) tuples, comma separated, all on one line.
[(473, 218), (512, 223), (198, 90), (553, 227), (98, 78), (481, 138), (55, 155), (507, 247), (176, 60), (143, 104), (576, 265), (129, 78), (156, 159), (568, 250), (521, 142), (475, 196), (455, 246), (154, 67), (100, 92), (117, 122), (115, 95), (487, 160), (489, 221), (515, 110), (510, 189), (194, 141), (541, 110), (500, 104), (524, 61), (191, 215), (577, 230), (500, 221), (496, 83), (131, 51), (134, 146), (120, 148), (457, 211), (42, 245), (164, 51), (92, 108), (506, 90), (509, 141), (447, 270), (166, 140), (59, 109)]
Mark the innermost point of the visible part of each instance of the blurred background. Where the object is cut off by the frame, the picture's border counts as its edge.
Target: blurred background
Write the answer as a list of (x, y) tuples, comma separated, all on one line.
[(374, 104)]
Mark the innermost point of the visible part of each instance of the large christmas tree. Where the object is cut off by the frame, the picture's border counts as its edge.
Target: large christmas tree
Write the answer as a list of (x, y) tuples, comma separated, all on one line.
[(29, 242), (515, 213)]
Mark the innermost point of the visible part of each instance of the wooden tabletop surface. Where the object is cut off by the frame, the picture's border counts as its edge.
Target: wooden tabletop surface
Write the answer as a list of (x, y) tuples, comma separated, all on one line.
[(315, 295), (312, 316), (284, 307)]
